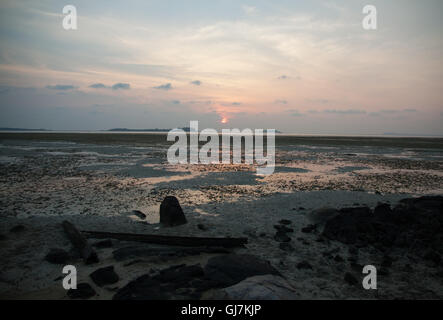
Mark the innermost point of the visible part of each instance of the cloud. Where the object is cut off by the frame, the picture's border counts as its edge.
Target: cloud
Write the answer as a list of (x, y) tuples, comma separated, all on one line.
[(236, 103), (166, 86), (97, 86), (249, 10), (349, 111), (117, 86), (294, 113), (196, 82), (123, 86), (175, 101), (410, 110), (61, 87), (283, 77), (279, 101), (389, 111)]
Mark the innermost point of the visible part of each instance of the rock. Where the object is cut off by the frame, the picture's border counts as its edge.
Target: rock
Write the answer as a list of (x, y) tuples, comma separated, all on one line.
[(168, 284), (304, 265), (285, 221), (202, 227), (227, 270), (2, 237), (309, 228), (338, 258), (104, 276), (281, 237), (415, 225), (103, 244), (171, 213), (139, 214), (179, 276), (433, 256), (386, 262), (265, 287), (83, 291), (57, 256), (286, 247), (142, 288), (283, 228), (382, 209), (17, 228), (320, 216), (350, 279)]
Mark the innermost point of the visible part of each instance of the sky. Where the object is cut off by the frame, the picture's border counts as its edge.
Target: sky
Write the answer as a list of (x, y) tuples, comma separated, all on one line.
[(306, 67)]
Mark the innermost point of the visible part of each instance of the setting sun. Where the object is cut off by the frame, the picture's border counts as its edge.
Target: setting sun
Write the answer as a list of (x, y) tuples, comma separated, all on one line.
[(224, 120)]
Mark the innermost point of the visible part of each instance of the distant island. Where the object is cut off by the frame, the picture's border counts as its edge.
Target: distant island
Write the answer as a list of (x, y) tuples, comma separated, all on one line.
[(138, 130), (22, 129)]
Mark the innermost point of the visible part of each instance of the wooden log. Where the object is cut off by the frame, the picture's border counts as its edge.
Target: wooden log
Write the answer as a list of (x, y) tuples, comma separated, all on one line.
[(170, 240), (80, 243)]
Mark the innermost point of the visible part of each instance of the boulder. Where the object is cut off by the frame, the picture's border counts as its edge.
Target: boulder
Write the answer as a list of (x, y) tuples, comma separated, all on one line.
[(350, 279), (83, 291), (57, 256), (173, 282), (171, 213), (227, 270), (104, 276), (264, 287), (320, 216)]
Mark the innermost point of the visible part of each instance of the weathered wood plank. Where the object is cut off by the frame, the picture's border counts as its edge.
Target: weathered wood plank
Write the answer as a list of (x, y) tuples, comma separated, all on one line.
[(170, 240)]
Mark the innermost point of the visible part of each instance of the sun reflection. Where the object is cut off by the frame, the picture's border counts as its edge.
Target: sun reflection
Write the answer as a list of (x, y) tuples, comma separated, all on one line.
[(224, 120)]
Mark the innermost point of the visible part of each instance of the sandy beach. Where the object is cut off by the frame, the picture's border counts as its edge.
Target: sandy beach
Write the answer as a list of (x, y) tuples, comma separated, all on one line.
[(96, 182)]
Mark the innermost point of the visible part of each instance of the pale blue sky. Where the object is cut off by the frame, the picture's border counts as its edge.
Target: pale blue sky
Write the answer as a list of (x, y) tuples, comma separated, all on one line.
[(297, 66)]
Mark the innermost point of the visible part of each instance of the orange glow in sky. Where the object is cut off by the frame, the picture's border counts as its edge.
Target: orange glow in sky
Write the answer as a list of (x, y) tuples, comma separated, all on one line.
[(224, 120)]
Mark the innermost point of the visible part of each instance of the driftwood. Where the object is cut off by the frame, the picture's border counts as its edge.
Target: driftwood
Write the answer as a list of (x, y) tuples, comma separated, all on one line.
[(80, 243), (170, 240)]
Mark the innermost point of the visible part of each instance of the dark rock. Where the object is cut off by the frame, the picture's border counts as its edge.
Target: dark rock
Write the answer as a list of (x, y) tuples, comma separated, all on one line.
[(353, 250), (387, 262), (104, 276), (356, 266), (281, 237), (382, 209), (171, 283), (202, 227), (171, 213), (226, 270), (350, 279), (285, 222), (433, 256), (301, 208), (139, 214), (83, 291), (103, 244), (57, 256), (283, 228), (309, 228), (142, 288), (304, 265), (17, 228), (415, 224), (383, 272), (179, 276), (2, 237), (286, 247), (338, 258)]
